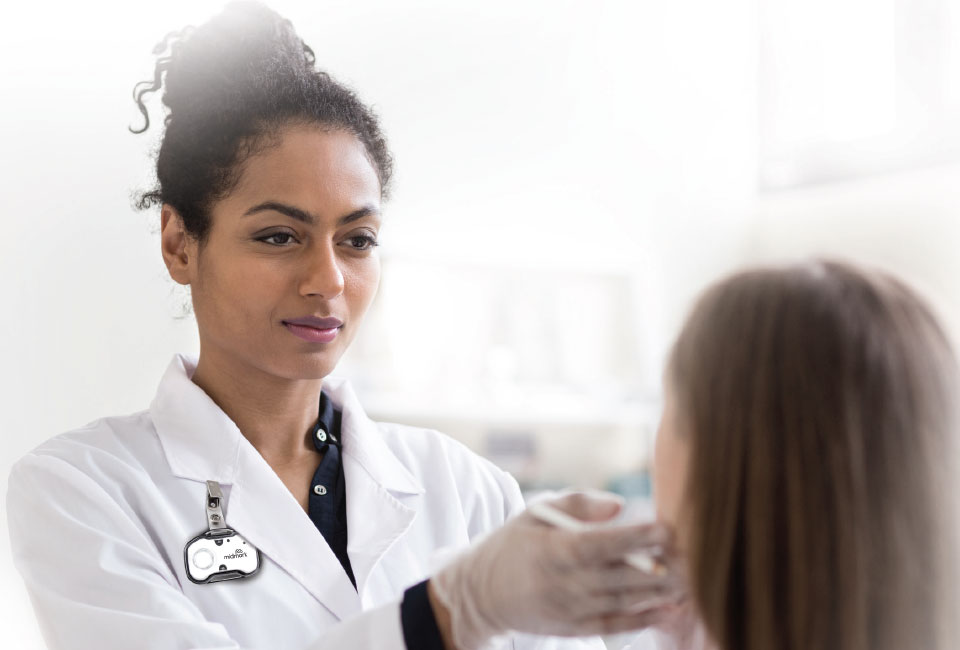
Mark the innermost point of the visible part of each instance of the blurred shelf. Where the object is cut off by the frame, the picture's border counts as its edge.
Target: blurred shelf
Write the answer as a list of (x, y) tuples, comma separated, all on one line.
[(565, 413)]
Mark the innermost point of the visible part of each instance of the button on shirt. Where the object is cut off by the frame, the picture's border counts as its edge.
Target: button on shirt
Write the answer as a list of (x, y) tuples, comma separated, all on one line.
[(328, 496)]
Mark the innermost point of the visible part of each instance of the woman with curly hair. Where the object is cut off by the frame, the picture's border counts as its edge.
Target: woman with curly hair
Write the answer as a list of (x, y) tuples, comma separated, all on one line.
[(254, 504)]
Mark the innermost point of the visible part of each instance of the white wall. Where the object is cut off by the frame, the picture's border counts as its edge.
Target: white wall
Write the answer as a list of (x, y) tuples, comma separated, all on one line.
[(907, 223)]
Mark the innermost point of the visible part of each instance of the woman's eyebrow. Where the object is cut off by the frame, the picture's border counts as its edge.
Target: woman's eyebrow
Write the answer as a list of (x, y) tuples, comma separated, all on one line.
[(306, 217), (365, 211)]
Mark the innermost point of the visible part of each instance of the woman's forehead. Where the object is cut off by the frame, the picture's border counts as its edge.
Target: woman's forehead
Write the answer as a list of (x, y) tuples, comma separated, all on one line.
[(319, 170)]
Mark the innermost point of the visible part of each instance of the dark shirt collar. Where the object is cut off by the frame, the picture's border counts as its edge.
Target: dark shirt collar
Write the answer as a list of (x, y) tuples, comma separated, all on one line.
[(328, 422)]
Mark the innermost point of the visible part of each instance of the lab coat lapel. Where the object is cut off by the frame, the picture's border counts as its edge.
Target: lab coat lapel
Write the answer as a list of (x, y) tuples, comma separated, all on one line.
[(375, 520), (202, 443), (262, 509), (379, 487)]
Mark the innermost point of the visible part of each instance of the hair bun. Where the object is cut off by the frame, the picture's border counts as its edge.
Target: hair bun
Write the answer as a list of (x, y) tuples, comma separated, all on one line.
[(230, 85), (242, 55)]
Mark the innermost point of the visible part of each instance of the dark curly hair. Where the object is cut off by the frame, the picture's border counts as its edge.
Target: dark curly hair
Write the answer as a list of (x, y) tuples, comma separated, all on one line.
[(229, 86)]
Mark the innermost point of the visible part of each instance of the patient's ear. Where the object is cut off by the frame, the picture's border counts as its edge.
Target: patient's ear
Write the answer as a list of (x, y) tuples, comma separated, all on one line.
[(177, 247)]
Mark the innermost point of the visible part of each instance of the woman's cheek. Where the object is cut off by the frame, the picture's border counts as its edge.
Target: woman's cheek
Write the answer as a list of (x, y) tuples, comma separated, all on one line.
[(661, 487), (362, 284), (670, 470)]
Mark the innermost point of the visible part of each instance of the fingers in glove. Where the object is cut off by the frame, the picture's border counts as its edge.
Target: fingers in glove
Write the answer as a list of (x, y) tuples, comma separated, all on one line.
[(623, 577), (621, 622), (624, 601), (604, 546), (589, 505)]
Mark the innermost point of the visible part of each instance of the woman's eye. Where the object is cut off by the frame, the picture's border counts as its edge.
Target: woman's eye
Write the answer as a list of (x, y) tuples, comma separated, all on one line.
[(277, 238), (362, 242)]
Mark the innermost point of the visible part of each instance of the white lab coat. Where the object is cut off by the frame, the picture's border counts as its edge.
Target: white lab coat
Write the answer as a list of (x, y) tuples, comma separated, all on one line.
[(99, 518)]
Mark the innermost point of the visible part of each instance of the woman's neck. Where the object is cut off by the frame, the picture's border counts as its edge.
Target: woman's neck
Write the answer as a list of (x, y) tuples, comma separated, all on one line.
[(274, 413)]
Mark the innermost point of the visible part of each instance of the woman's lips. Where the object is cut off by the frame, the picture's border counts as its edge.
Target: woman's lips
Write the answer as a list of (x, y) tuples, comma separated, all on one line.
[(314, 330)]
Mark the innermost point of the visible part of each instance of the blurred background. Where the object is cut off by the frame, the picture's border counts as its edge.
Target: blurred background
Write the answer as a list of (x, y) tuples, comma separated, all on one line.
[(570, 175)]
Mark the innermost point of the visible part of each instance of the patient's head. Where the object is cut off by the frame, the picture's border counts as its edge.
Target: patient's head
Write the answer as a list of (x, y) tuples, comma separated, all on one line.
[(804, 460)]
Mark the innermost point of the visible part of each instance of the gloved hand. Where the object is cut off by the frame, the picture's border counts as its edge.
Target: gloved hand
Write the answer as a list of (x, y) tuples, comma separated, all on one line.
[(531, 577), (678, 628)]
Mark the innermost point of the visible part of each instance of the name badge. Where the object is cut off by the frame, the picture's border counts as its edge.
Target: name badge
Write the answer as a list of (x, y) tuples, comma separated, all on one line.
[(219, 553)]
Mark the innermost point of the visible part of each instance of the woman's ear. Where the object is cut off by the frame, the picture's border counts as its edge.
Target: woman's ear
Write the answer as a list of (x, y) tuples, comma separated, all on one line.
[(175, 246)]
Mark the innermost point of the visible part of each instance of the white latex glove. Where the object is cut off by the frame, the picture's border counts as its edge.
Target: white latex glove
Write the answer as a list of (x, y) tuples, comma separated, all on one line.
[(678, 628), (531, 577)]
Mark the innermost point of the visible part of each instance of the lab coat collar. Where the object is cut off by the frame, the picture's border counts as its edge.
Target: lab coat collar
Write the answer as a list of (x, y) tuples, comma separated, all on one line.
[(200, 441), (203, 444)]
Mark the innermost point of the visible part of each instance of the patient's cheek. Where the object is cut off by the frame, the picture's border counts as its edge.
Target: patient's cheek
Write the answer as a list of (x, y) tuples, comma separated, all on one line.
[(669, 469)]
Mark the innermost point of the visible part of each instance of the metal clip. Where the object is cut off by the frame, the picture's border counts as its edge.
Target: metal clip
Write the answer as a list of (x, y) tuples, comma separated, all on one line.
[(215, 519)]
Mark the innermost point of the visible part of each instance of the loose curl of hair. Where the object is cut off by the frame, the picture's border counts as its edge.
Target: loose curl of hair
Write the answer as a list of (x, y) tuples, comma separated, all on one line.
[(229, 86)]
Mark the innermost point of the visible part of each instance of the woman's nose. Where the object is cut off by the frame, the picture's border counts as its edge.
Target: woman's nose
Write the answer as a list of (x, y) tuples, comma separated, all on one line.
[(322, 275)]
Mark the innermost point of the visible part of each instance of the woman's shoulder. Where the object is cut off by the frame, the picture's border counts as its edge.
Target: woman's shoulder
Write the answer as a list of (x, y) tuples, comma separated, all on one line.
[(101, 451), (437, 449), (113, 435), (445, 467), (486, 493)]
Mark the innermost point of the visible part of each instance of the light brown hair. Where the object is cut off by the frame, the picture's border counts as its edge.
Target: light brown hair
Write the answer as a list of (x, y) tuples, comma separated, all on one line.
[(820, 406)]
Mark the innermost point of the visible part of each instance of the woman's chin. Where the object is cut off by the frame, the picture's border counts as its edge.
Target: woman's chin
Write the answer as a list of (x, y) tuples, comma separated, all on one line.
[(313, 366)]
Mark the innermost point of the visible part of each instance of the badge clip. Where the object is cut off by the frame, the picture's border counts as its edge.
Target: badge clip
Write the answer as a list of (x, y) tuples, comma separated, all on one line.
[(219, 553)]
